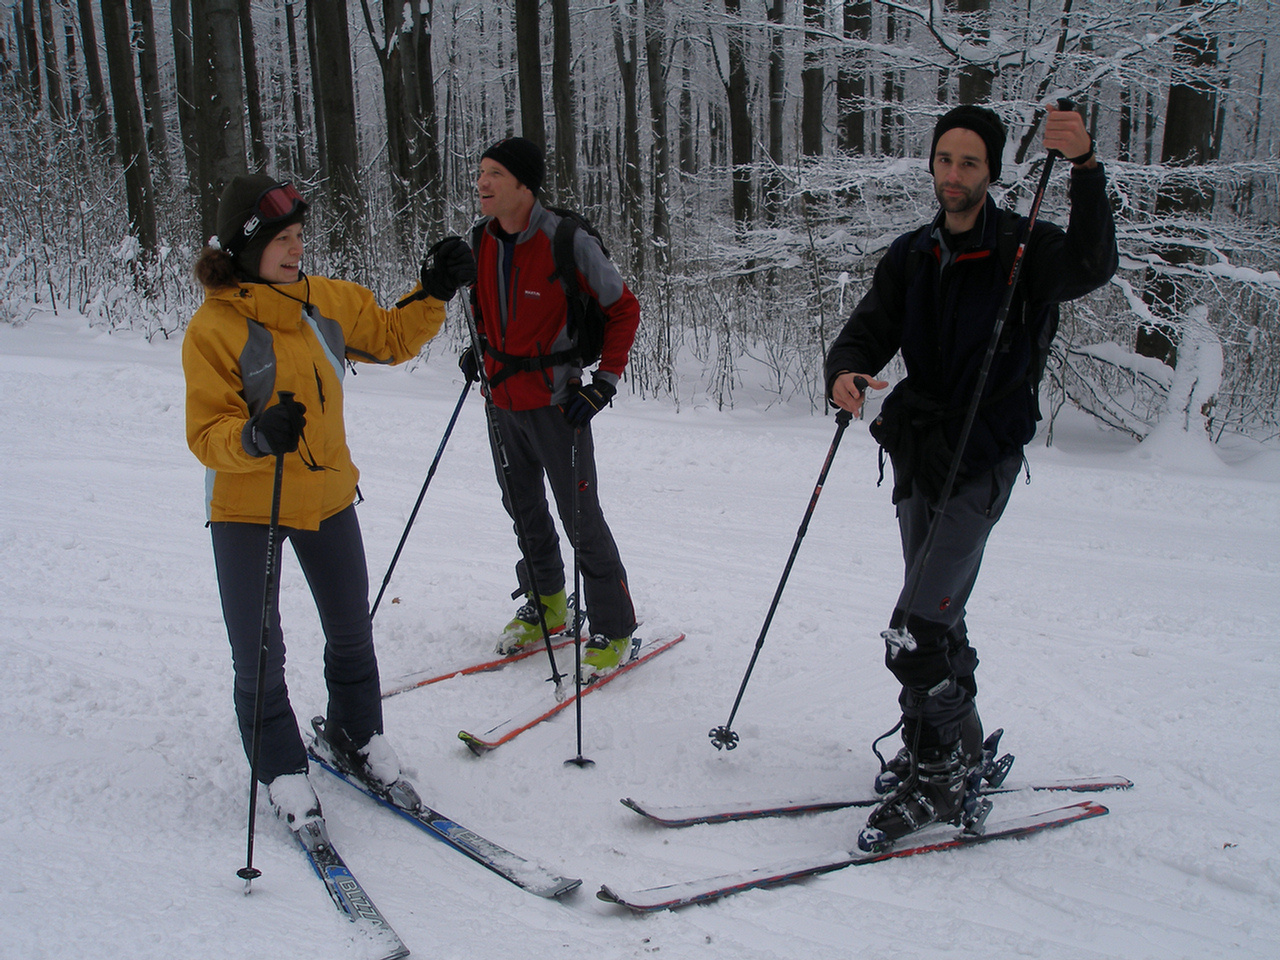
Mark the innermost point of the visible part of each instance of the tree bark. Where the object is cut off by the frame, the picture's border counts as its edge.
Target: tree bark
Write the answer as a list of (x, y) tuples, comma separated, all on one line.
[(295, 90), (624, 42), (184, 70), (52, 73), (529, 68), (655, 62), (1190, 120), (93, 72), (252, 89), (144, 22), (812, 79), (219, 103), (563, 102), (338, 107), (775, 11), (851, 80), (139, 194), (741, 141), (975, 81)]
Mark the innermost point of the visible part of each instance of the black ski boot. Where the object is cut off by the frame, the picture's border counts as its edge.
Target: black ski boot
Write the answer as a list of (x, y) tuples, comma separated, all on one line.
[(896, 770), (934, 793)]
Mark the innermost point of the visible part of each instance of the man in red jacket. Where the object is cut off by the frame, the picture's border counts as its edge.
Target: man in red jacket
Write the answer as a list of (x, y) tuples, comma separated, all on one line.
[(542, 406)]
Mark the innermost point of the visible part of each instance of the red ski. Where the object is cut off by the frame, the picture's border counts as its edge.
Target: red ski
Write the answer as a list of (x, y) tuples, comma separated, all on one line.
[(409, 683), (509, 729)]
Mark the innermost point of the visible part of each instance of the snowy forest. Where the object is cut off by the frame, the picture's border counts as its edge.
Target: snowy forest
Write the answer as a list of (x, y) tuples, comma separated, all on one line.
[(747, 162)]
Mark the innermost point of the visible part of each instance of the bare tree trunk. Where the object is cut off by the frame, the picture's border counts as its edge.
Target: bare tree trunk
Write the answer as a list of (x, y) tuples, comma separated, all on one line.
[(396, 105), (851, 80), (132, 139), (529, 67), (777, 102), (812, 79), (890, 93), (219, 102), (184, 70), (317, 84), (687, 126), (338, 106), (93, 73), (427, 177), (295, 88), (252, 89), (624, 42), (1190, 120), (52, 73), (741, 140), (655, 61), (144, 23), (28, 40), (562, 99), (975, 81)]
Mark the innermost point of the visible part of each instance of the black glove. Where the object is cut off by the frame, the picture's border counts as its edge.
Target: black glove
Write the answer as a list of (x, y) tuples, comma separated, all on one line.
[(588, 400), (467, 364), (446, 267), (275, 430)]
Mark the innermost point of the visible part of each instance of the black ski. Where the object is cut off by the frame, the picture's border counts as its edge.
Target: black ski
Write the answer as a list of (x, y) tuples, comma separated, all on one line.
[(675, 895), (348, 895), (685, 815), (525, 874)]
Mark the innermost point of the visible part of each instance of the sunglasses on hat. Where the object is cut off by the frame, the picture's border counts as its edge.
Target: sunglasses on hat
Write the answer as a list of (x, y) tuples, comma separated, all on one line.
[(273, 205)]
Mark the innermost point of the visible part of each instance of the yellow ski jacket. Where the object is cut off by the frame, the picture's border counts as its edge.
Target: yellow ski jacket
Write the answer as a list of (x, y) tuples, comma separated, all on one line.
[(244, 345)]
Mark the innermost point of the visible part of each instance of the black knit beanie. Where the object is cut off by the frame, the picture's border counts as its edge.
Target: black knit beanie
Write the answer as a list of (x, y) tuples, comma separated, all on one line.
[(982, 121), (234, 210), (522, 157)]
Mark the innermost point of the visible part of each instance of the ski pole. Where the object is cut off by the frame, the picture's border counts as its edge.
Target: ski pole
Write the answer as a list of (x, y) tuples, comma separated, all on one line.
[(578, 761), (431, 472), (917, 570), (724, 737), (270, 592), (504, 476)]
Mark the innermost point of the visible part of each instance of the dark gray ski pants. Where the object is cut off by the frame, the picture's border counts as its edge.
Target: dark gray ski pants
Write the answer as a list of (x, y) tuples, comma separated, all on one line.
[(539, 443), (936, 618), (333, 561)]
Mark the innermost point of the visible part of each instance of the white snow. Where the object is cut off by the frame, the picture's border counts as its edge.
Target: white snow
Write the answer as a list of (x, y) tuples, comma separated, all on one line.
[(1126, 616)]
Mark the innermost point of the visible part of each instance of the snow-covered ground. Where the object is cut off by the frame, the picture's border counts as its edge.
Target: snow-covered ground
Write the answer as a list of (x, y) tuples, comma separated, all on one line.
[(1128, 619)]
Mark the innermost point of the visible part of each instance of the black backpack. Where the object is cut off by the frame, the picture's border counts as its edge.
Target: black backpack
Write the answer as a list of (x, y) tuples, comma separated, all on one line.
[(586, 319)]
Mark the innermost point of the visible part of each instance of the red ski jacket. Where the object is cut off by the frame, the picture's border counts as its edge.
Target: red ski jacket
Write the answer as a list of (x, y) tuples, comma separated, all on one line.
[(523, 311)]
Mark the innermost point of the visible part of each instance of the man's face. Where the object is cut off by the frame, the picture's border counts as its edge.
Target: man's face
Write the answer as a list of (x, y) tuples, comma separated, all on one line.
[(960, 172), (501, 194)]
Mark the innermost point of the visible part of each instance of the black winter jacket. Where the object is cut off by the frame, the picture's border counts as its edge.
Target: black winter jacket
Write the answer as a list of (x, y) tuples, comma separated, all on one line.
[(942, 319)]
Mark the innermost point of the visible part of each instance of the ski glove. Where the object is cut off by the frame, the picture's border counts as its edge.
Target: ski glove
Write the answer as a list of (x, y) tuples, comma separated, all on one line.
[(276, 430), (467, 364), (446, 267), (587, 401)]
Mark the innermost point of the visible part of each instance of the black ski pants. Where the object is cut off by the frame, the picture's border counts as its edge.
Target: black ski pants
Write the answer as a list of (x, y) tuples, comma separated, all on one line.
[(539, 444), (333, 561), (937, 675)]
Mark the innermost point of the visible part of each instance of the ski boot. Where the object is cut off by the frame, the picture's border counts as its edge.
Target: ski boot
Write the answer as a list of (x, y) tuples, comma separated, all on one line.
[(525, 629), (894, 771), (936, 792), (601, 655), (295, 803), (374, 764)]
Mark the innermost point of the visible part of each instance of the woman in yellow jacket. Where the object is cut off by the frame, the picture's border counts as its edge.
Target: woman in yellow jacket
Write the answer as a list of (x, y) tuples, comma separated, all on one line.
[(264, 359)]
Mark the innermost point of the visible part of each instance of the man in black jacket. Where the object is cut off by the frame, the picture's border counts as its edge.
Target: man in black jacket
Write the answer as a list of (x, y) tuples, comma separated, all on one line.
[(935, 297)]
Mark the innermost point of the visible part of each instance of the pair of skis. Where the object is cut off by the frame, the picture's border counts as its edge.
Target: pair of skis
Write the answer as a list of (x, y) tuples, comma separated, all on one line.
[(942, 837), (350, 896)]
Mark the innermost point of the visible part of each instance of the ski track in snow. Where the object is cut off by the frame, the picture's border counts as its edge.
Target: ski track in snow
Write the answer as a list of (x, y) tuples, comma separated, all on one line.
[(1126, 617)]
